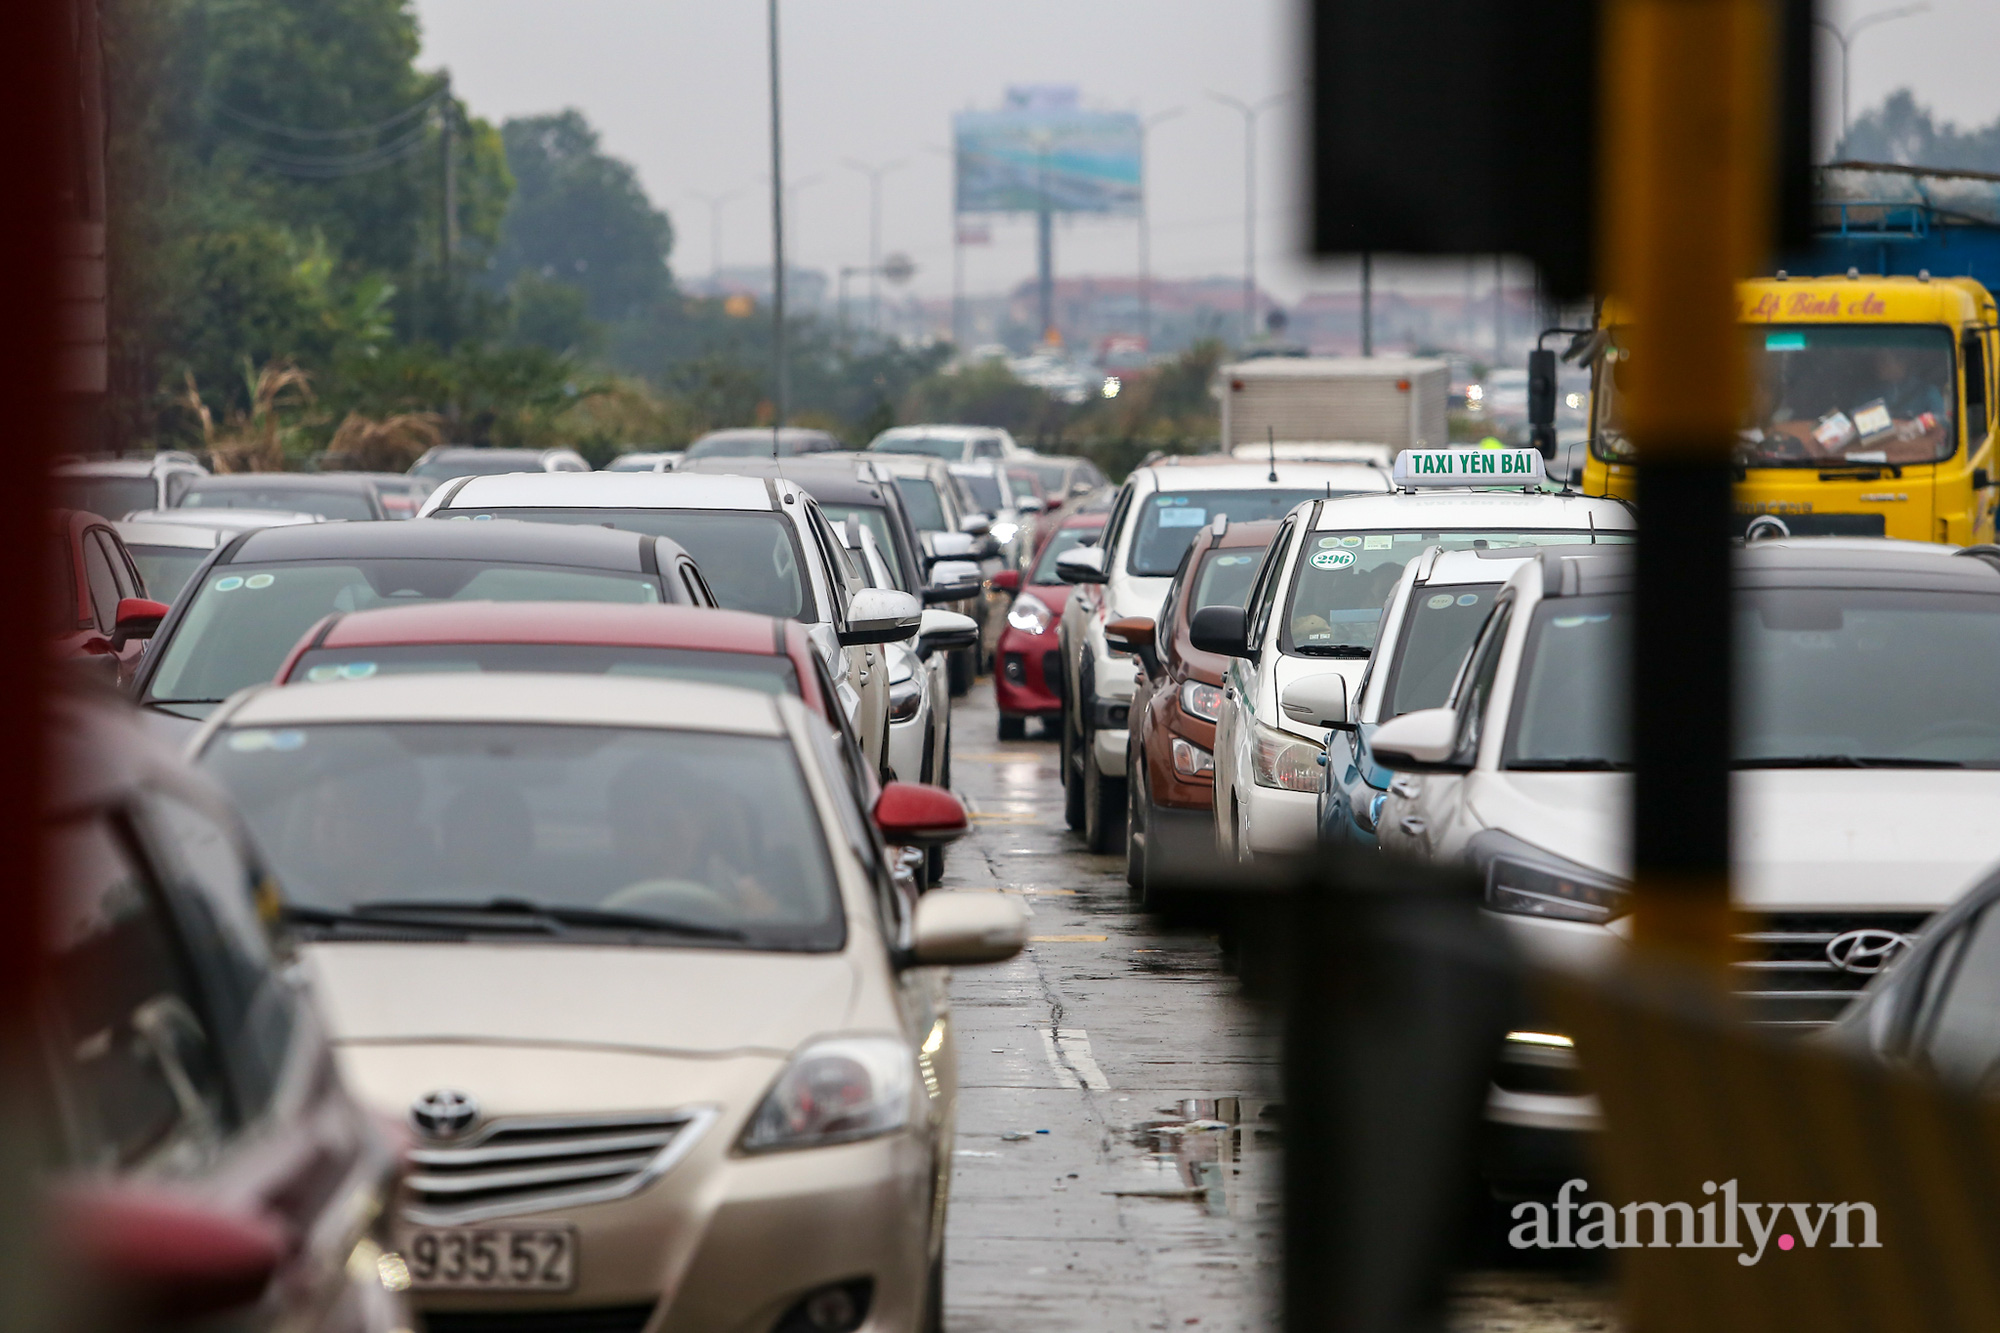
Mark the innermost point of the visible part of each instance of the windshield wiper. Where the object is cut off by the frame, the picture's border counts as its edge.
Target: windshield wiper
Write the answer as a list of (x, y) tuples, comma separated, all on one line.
[(1576, 763), (335, 919), (526, 914), (1845, 761), (1332, 650)]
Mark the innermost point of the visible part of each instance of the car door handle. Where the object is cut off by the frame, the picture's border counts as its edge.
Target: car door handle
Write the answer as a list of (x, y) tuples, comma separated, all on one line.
[(1411, 824)]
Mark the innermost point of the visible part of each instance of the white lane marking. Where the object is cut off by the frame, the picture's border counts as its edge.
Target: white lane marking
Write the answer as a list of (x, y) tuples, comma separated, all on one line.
[(1065, 1076), (1075, 1046)]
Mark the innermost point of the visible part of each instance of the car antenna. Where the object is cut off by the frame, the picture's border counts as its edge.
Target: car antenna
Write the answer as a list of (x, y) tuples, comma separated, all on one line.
[(1271, 443)]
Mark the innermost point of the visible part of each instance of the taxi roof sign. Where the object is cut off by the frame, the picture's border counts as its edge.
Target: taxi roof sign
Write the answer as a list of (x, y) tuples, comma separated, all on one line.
[(1469, 467)]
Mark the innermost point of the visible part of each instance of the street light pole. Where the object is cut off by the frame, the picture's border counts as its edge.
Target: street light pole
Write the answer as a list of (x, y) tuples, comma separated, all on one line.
[(1250, 111), (1146, 226), (783, 375), (1846, 40), (875, 173)]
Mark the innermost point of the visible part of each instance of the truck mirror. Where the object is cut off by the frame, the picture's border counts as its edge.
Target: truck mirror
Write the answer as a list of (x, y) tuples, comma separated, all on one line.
[(1542, 401)]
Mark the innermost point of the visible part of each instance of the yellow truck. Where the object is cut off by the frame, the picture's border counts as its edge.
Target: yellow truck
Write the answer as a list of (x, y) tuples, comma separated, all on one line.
[(1871, 409)]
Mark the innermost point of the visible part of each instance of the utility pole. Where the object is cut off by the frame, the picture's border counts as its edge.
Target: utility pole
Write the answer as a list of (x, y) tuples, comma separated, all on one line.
[(1250, 111), (783, 370), (1146, 226), (715, 204), (448, 213), (875, 173), (1846, 39), (1045, 246)]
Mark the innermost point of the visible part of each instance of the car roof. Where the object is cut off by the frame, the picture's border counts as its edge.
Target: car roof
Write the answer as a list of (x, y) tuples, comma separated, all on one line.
[(1232, 475), (502, 541), (115, 467), (910, 465), (516, 696), (1581, 571), (961, 433), (483, 451), (1257, 534), (828, 478), (612, 624), (311, 481), (1489, 566), (764, 433), (1455, 508), (611, 490), (186, 535)]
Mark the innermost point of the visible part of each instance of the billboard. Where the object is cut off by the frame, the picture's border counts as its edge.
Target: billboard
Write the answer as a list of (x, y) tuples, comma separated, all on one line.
[(1043, 151)]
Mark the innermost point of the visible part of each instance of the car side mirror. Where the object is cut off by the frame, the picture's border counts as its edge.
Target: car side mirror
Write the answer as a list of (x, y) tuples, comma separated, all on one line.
[(1030, 504), (881, 615), (1223, 630), (1008, 580), (1318, 701), (165, 1259), (1419, 742), (916, 814), (946, 631), (953, 581), (950, 546), (976, 525), (1134, 634), (138, 618), (1081, 564), (959, 927)]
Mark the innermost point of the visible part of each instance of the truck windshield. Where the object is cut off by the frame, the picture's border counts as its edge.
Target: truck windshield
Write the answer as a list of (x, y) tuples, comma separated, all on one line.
[(1825, 394)]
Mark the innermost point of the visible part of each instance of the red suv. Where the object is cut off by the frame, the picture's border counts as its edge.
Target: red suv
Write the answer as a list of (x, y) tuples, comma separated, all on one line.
[(1169, 760), (1027, 661)]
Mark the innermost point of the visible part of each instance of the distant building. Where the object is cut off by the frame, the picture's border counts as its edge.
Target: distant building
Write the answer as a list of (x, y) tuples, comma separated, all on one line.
[(805, 288)]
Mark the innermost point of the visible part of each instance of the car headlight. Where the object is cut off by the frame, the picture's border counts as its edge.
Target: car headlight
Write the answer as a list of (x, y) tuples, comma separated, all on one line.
[(1280, 759), (1003, 532), (1202, 700), (1190, 760), (1554, 890), (1030, 613), (905, 697), (835, 1091)]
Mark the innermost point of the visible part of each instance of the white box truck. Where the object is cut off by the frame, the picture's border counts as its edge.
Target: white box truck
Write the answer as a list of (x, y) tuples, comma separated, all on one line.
[(1324, 405)]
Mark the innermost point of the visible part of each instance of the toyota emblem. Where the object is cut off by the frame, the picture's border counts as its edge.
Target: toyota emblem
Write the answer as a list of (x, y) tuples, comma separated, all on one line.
[(1866, 951), (444, 1114)]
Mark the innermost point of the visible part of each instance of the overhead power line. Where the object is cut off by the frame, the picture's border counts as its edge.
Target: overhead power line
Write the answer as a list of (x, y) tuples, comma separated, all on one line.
[(294, 160), (333, 135)]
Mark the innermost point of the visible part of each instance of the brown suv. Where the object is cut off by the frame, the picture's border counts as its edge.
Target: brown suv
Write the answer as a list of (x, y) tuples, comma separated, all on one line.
[(1169, 765)]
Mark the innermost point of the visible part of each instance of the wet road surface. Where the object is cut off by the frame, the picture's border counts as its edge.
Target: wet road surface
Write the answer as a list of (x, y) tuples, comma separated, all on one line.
[(1116, 1165)]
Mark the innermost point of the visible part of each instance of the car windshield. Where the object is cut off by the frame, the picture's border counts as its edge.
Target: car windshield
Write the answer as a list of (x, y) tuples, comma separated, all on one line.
[(876, 520), (934, 446), (106, 497), (1345, 577), (478, 463), (771, 673), (1224, 577), (631, 834), (750, 559), (1052, 475), (1826, 395), (293, 499), (920, 497), (1064, 539), (985, 492), (1168, 521), (166, 569), (1827, 678), (245, 618), (1438, 630)]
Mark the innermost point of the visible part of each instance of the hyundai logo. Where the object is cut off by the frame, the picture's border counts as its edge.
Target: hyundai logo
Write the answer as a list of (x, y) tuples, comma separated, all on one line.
[(444, 1113), (1866, 951)]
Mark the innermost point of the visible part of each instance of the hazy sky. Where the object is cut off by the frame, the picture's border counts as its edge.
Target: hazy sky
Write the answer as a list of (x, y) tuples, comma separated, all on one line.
[(678, 88)]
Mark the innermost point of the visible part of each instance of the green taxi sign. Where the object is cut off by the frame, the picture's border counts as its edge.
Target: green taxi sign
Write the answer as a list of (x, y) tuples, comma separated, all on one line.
[(1469, 467)]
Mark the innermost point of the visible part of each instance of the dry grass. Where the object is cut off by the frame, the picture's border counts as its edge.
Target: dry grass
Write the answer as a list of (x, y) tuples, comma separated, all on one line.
[(254, 441), (362, 444)]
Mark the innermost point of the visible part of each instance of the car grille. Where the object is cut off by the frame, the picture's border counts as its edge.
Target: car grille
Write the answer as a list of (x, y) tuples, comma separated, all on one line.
[(528, 1165), (588, 1319), (1783, 971)]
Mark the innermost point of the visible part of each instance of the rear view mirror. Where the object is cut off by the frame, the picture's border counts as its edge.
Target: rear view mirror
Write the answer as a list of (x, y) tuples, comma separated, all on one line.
[(1131, 635), (916, 814), (976, 525), (881, 615), (1419, 742), (1008, 580), (950, 546), (963, 926), (1542, 400), (1318, 701), (1223, 630), (946, 631), (1081, 564), (953, 581), (137, 618)]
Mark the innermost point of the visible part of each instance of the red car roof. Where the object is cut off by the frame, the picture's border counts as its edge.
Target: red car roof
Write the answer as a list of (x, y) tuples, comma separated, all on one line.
[(613, 624)]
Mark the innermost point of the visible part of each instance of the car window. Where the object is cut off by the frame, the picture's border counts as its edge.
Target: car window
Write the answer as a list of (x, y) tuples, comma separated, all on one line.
[(135, 1056), (1223, 578), (1476, 694), (217, 890), (177, 486), (1114, 527), (1439, 626), (1062, 539), (988, 448), (1958, 1034), (925, 506), (985, 493), (244, 619), (1168, 521), (842, 578), (103, 583), (122, 572), (106, 497), (876, 520), (749, 557), (689, 838), (1267, 583), (166, 569)]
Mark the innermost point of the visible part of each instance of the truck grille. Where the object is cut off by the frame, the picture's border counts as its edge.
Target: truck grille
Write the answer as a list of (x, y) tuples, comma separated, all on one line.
[(1785, 975), (528, 1165)]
